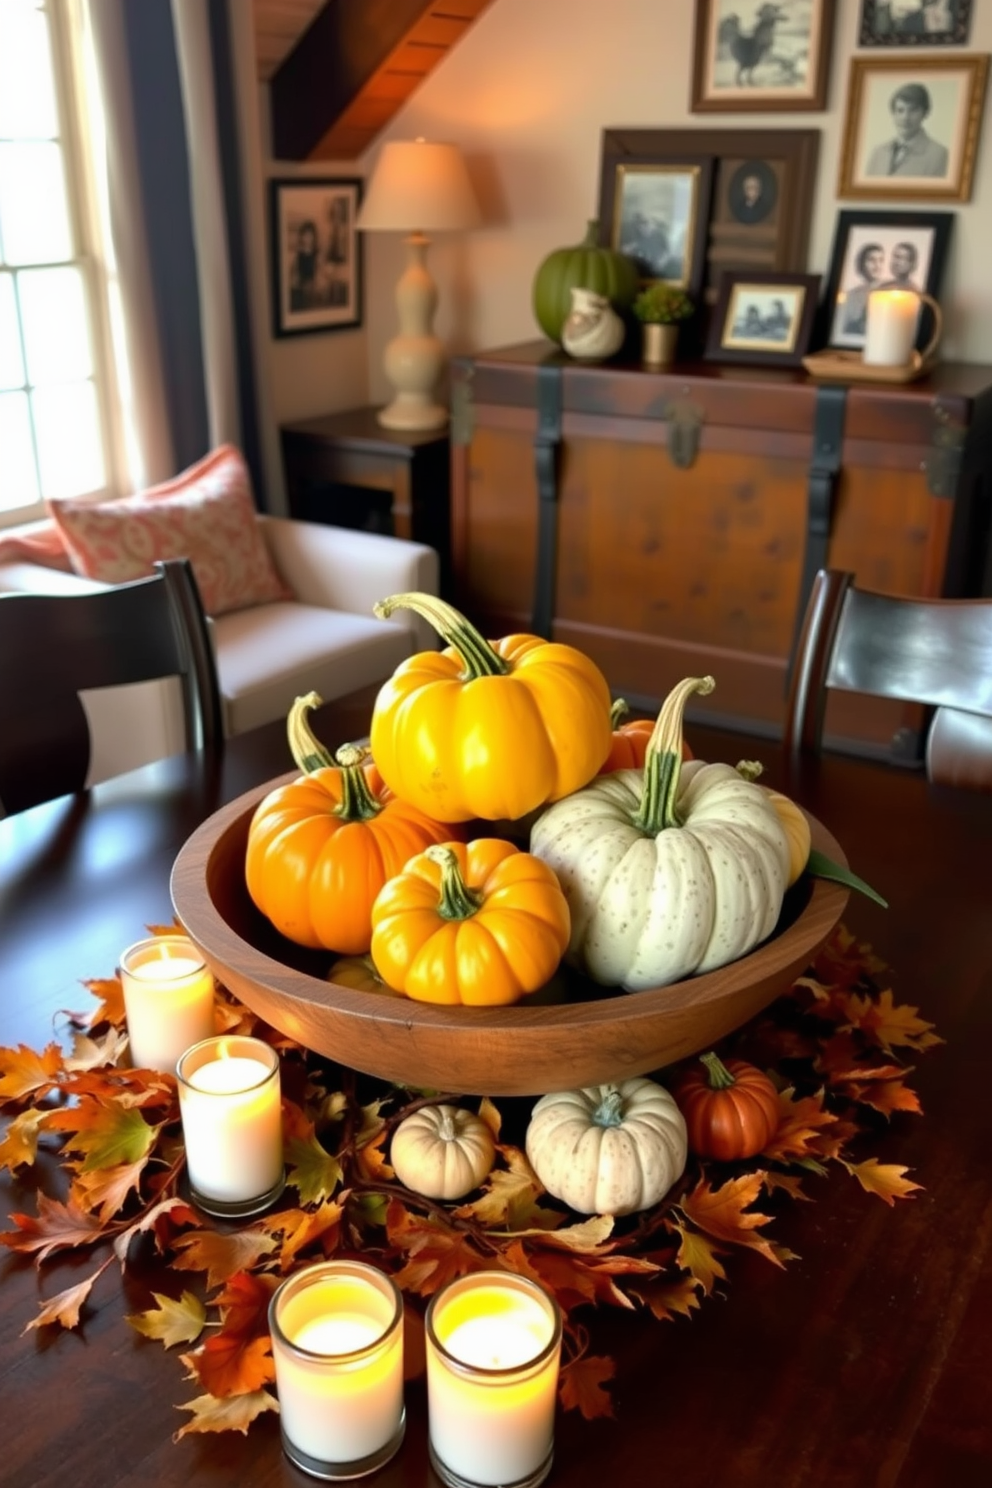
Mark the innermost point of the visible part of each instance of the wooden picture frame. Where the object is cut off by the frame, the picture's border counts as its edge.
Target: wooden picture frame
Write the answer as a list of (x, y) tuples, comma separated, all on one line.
[(928, 23), (657, 212), (316, 254), (911, 127), (752, 56), (735, 233), (878, 249), (763, 318)]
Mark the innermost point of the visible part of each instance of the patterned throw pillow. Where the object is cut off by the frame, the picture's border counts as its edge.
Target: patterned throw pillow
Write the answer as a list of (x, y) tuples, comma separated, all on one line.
[(206, 514)]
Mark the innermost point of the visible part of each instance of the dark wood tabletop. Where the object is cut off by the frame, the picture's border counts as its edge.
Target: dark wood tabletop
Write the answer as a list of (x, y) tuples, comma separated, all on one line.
[(865, 1363)]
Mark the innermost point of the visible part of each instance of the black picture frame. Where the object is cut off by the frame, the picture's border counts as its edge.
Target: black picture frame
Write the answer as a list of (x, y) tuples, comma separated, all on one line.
[(745, 60), (948, 24), (317, 287), (854, 270), (763, 318)]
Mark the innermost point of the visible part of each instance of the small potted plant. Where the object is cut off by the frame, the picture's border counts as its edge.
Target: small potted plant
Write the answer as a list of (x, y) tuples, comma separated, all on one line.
[(660, 307)]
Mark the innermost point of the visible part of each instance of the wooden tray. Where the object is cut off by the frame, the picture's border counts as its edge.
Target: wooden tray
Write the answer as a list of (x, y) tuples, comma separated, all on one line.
[(849, 366), (571, 1033)]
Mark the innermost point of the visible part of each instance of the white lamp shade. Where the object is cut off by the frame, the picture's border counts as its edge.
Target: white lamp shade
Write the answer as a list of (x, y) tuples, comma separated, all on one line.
[(418, 186)]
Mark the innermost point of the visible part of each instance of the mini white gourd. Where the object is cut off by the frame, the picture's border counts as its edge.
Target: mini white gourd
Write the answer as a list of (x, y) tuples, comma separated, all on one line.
[(442, 1152)]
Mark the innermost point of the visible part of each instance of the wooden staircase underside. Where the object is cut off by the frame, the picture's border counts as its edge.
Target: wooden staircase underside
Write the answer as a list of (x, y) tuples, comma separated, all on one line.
[(353, 67)]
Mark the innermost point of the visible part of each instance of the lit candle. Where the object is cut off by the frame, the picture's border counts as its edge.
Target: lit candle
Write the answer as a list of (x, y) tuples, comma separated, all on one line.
[(493, 1349), (337, 1342), (229, 1100), (168, 1000), (891, 328)]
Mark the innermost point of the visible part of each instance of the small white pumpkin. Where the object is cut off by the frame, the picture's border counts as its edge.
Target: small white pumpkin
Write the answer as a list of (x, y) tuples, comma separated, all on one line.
[(608, 1149), (442, 1152), (668, 872)]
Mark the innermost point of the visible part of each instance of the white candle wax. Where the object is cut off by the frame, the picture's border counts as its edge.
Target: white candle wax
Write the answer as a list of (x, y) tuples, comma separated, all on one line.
[(337, 1341), (229, 1100), (891, 327), (168, 1000), (493, 1345)]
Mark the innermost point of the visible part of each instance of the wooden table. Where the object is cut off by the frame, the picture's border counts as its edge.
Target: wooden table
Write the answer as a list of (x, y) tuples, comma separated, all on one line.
[(866, 1363)]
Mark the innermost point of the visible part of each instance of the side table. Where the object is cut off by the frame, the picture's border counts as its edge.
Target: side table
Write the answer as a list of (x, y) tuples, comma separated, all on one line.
[(347, 470)]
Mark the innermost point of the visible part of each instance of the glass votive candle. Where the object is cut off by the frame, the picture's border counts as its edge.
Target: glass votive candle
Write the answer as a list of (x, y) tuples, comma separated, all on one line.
[(337, 1342), (168, 1000), (493, 1352), (231, 1108)]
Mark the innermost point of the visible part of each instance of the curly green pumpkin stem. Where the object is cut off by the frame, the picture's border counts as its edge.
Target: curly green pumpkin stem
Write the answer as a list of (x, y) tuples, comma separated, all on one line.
[(357, 801), (618, 712), (609, 1112), (481, 659), (719, 1077), (457, 901), (663, 760)]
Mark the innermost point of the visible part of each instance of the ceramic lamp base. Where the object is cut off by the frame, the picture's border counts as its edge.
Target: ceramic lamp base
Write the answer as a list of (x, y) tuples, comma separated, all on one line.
[(413, 411)]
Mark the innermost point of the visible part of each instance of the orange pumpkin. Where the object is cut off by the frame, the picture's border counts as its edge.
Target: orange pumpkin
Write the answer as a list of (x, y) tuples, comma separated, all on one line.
[(321, 847), (629, 743), (731, 1110)]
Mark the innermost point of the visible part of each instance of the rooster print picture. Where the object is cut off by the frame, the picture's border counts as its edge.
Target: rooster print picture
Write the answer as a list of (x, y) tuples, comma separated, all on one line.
[(755, 54)]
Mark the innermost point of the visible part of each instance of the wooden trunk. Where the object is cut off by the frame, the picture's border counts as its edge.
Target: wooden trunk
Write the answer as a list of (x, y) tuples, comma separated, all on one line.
[(669, 522)]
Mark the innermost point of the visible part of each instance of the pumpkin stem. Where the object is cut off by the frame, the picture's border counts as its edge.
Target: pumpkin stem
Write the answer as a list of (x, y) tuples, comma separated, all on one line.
[(618, 712), (304, 746), (480, 658), (457, 901), (749, 769), (357, 801), (663, 760), (609, 1112), (446, 1127), (720, 1077)]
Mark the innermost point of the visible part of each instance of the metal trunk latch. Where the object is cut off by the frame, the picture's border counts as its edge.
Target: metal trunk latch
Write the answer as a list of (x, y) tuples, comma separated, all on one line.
[(685, 420)]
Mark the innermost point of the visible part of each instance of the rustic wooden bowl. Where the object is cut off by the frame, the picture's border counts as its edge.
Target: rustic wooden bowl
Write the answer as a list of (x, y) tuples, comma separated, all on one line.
[(572, 1033)]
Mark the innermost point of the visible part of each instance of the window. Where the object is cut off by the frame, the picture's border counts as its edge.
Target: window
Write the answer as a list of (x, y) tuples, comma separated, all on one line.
[(54, 380)]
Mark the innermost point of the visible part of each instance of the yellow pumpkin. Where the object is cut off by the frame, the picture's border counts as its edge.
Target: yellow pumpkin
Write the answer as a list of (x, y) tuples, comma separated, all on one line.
[(489, 730), (791, 817), (480, 924)]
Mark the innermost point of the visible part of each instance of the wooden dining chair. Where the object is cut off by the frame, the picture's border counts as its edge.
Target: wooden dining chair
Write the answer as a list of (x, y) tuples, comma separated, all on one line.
[(54, 645), (932, 651)]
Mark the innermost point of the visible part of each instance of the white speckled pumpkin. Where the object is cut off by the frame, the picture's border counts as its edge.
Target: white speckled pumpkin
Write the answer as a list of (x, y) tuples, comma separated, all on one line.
[(608, 1149), (668, 872), (442, 1152)]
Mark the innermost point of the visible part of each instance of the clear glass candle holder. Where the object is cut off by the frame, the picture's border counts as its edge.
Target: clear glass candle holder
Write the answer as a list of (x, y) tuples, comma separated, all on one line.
[(168, 1000), (493, 1354), (231, 1107), (337, 1342)]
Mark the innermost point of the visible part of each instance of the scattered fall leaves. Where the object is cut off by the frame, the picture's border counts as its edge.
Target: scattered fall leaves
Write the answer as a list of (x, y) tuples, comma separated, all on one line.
[(832, 1045)]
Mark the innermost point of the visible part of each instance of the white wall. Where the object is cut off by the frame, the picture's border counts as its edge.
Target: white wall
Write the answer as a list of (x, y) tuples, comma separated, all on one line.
[(526, 94)]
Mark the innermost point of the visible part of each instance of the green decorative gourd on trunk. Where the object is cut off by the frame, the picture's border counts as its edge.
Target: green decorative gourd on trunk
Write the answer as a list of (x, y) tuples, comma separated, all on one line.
[(587, 265)]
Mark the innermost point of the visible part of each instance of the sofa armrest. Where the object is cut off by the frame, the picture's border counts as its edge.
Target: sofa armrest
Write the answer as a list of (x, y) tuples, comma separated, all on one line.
[(339, 568), (36, 578)]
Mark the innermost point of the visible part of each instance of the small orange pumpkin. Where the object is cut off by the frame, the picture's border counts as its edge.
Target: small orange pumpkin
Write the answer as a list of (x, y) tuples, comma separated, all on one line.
[(629, 742), (731, 1110)]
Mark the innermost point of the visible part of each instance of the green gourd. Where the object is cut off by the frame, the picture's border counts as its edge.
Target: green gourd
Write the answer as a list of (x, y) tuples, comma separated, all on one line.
[(584, 266)]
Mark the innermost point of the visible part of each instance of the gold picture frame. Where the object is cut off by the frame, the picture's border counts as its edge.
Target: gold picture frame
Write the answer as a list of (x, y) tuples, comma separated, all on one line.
[(911, 127)]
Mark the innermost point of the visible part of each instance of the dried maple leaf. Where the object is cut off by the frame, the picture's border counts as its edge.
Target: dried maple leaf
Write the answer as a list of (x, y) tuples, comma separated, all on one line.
[(106, 1189), (843, 961), (95, 1053), (791, 1183), (666, 1298), (370, 1159), (24, 1072), (64, 1308), (19, 1145), (244, 1304), (436, 1254), (887, 1096), (699, 1257), (301, 1228), (111, 995), (490, 1115), (170, 1321), (722, 1212), (222, 1256), (588, 1235), (313, 1171), (581, 1386), (104, 1132), (800, 1127), (55, 1227), (508, 1199), (889, 1022), (162, 1220), (884, 1179), (235, 1413), (231, 1364)]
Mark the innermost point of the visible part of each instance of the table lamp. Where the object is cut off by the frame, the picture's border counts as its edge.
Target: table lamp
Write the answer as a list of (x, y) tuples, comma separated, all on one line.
[(418, 188)]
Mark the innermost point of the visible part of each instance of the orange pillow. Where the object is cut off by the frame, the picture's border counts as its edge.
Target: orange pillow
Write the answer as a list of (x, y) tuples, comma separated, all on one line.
[(42, 544), (206, 514)]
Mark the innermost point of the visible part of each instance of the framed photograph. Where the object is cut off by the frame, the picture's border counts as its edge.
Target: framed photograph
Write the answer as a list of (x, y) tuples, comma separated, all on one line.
[(914, 22), (880, 250), (658, 216), (763, 318), (753, 55), (911, 128), (316, 255), (753, 201)]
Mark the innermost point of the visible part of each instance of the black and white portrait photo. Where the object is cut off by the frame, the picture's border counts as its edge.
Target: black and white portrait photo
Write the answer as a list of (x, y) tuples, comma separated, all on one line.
[(656, 214), (915, 22), (763, 318), (760, 54), (881, 250), (315, 255), (752, 193)]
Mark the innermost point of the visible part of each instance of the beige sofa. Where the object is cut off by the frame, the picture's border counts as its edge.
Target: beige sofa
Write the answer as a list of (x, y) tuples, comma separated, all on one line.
[(326, 640)]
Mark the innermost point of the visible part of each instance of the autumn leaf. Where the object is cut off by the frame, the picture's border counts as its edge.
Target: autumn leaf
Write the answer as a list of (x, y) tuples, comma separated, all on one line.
[(105, 1133), (490, 1115), (699, 1257), (55, 1227), (587, 1235), (722, 1212), (64, 1308), (19, 1145), (800, 1126), (884, 1179), (95, 1053), (666, 1298), (171, 1321), (23, 1072), (581, 1386), (508, 1200), (790, 1183), (111, 994), (301, 1228), (231, 1364), (106, 1189), (889, 1022), (371, 1159), (244, 1303), (161, 1219), (235, 1413), (222, 1256), (887, 1096), (434, 1253), (313, 1171)]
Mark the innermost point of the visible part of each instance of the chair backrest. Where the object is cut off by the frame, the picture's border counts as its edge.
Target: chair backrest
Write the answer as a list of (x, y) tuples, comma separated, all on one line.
[(51, 646), (932, 651)]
